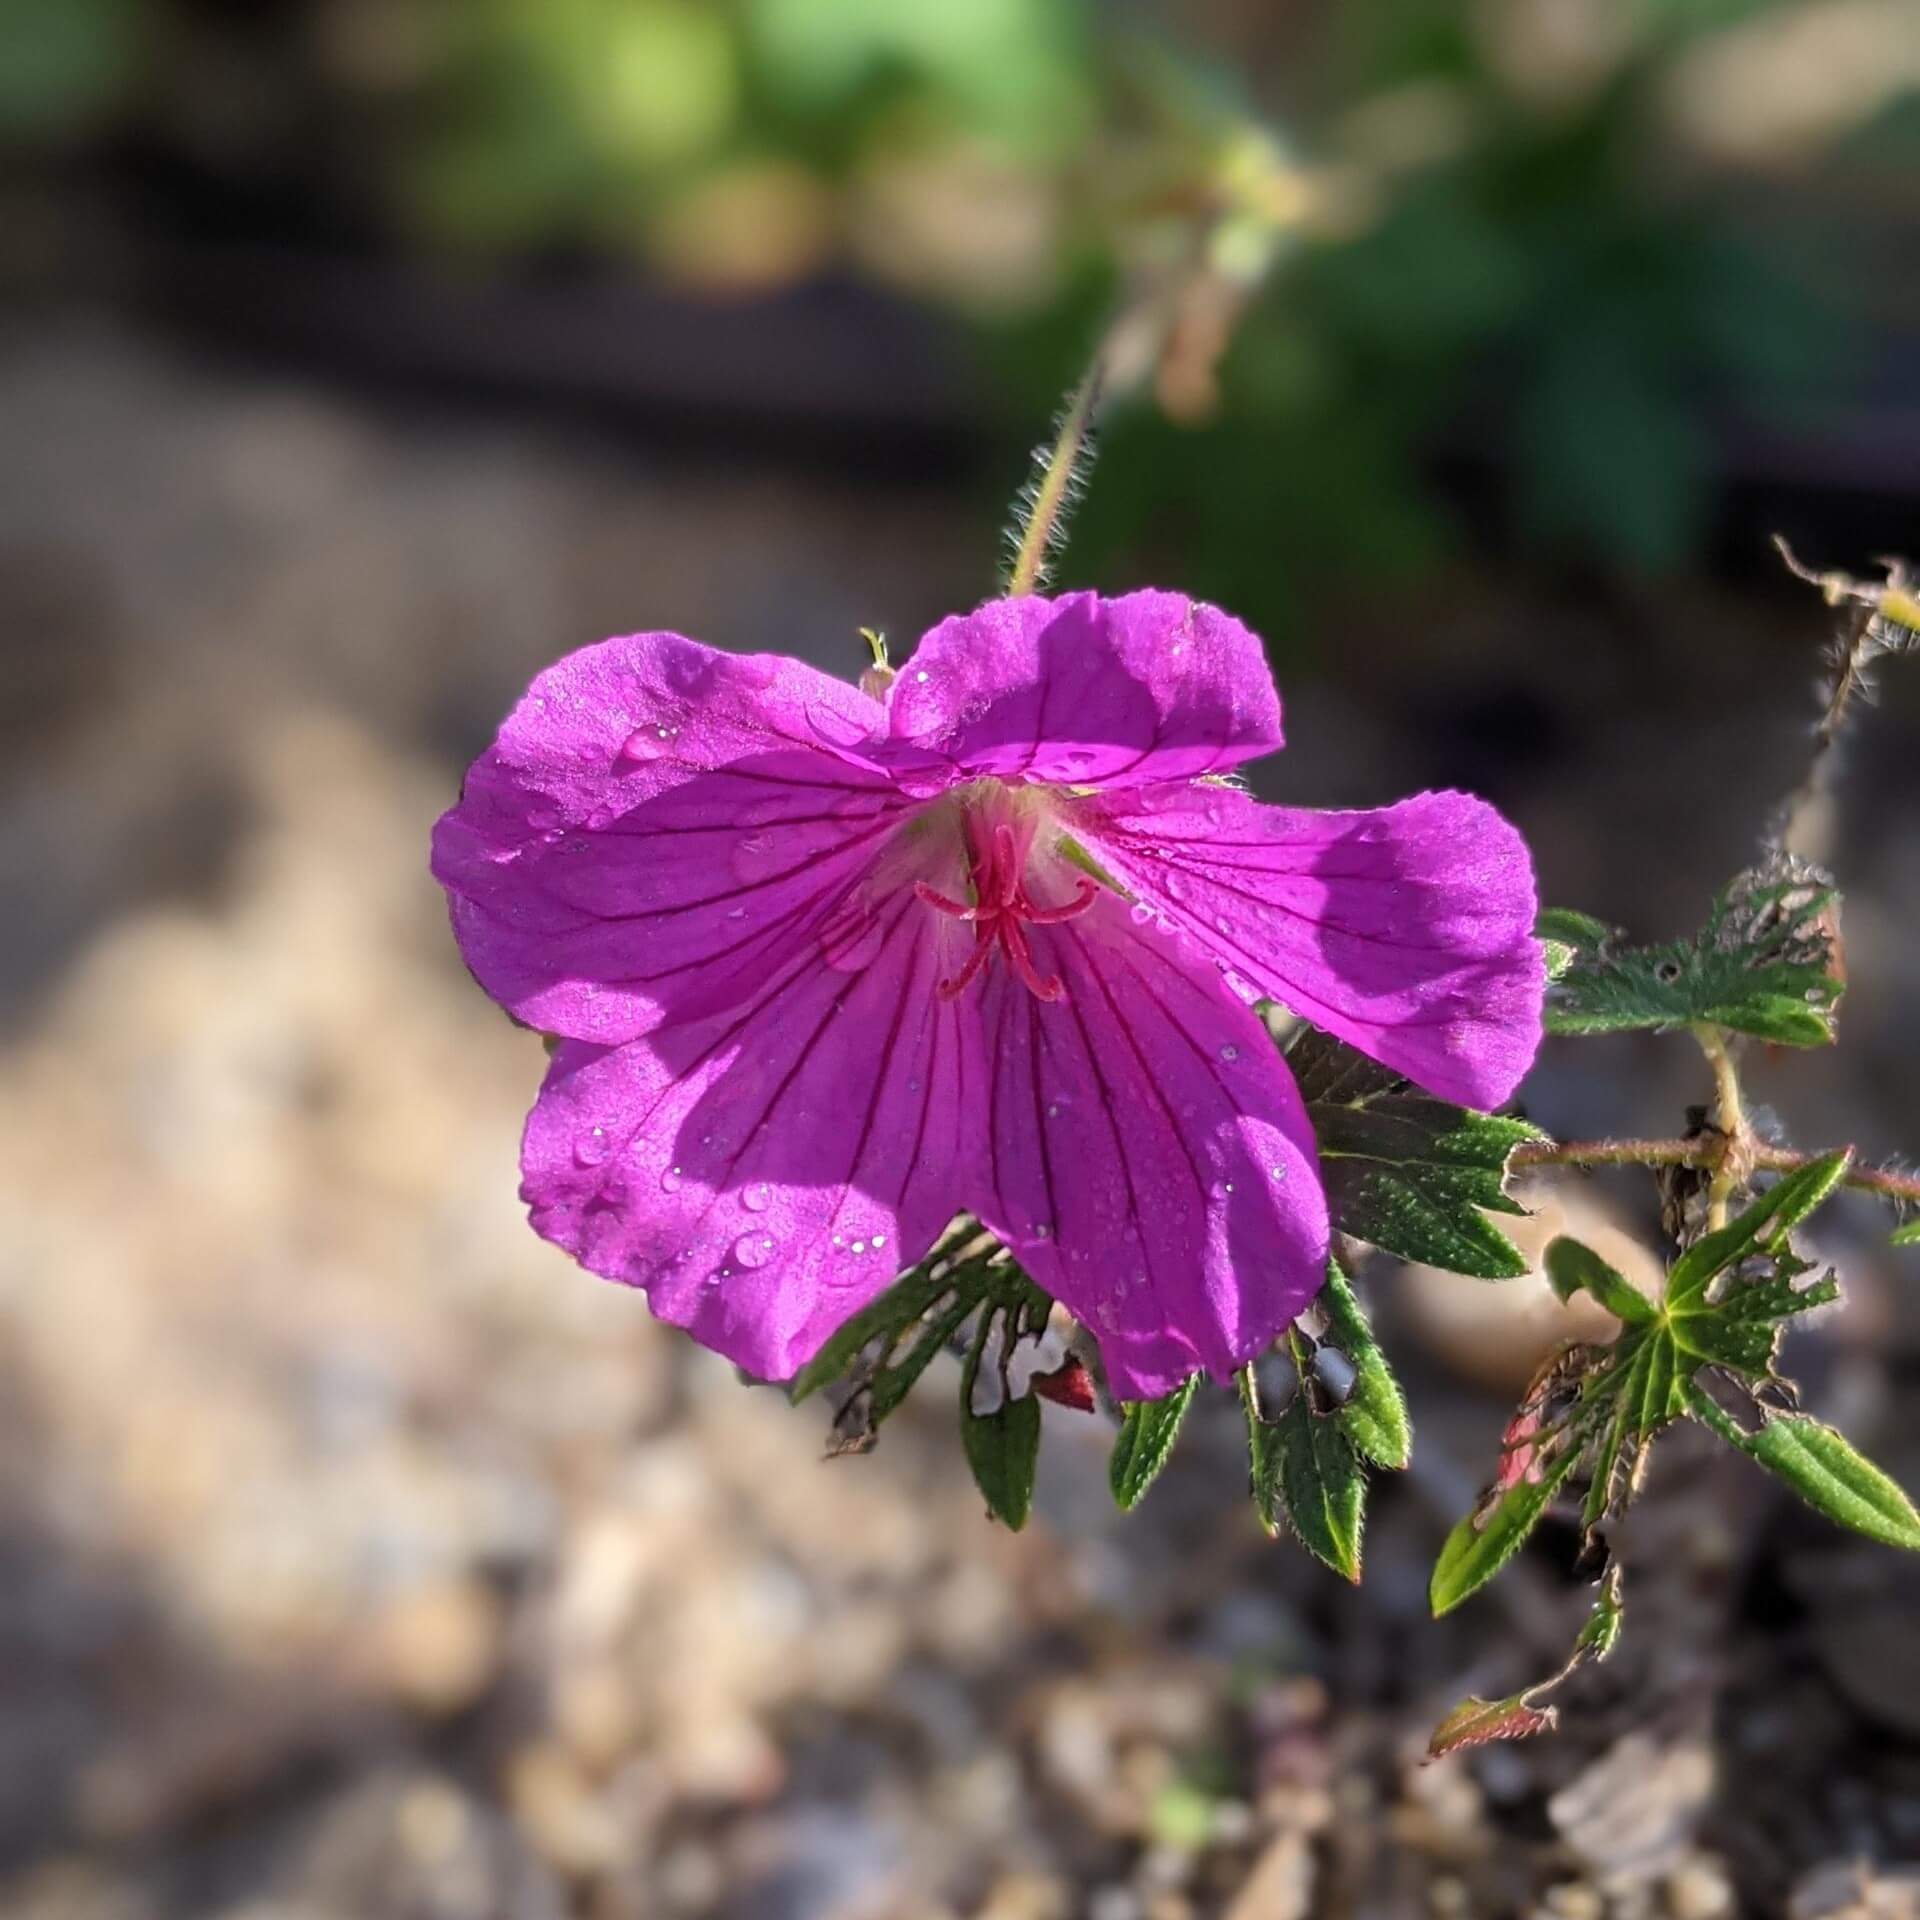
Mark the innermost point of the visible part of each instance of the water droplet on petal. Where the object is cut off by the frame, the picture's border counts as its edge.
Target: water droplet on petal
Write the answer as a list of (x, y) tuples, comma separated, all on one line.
[(1140, 913), (879, 1240), (591, 1148), (1278, 1172), (670, 1180), (651, 742), (756, 1197), (859, 1246), (1043, 1231), (1176, 885), (921, 676), (752, 1249), (1229, 1053)]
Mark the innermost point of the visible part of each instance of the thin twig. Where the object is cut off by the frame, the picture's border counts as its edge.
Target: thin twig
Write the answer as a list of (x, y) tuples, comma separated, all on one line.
[(1704, 1152)]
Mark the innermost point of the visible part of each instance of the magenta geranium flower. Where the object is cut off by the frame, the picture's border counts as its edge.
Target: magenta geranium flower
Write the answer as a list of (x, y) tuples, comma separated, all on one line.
[(828, 969)]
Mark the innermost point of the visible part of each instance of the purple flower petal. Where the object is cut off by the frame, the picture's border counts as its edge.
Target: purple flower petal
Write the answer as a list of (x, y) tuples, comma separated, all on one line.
[(1406, 931), (1149, 1158), (764, 1173), (656, 827), (1088, 692)]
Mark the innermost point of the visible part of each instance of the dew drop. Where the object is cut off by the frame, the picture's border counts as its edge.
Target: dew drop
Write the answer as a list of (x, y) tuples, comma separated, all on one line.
[(670, 1180), (752, 1249), (859, 1246), (879, 1241), (756, 1197), (591, 1148), (1229, 1053), (1043, 1231), (648, 743), (1140, 913), (1053, 1110), (1176, 885), (736, 913), (1278, 1172), (921, 676)]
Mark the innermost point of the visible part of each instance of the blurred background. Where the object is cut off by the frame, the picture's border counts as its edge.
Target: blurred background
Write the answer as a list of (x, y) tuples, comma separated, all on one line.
[(358, 1556)]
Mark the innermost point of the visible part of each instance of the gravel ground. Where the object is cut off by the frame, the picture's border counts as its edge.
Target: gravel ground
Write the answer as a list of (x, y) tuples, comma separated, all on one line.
[(361, 1558)]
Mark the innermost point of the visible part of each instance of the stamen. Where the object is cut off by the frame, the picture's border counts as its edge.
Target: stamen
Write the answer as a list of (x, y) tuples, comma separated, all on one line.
[(1002, 912), (1084, 896), (946, 906)]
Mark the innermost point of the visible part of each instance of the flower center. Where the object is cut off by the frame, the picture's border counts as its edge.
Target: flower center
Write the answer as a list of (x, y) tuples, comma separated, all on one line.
[(1002, 911)]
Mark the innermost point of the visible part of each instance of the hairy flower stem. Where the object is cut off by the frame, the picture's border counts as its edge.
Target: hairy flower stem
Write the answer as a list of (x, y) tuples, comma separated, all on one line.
[(1733, 1160), (1051, 494), (1703, 1153)]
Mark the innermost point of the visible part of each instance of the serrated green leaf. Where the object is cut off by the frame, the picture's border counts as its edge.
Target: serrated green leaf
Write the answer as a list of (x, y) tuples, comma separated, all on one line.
[(1002, 1447), (1148, 1429), (1488, 1538), (954, 1270), (1374, 1414), (1580, 931), (1905, 1236), (1404, 1171), (884, 1349), (1573, 1266), (1764, 1226), (1762, 965), (1825, 1469), (1601, 1633), (1307, 1476)]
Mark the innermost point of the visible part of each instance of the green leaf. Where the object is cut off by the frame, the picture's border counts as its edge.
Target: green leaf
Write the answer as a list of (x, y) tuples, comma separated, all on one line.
[(1002, 1447), (1404, 1171), (1763, 1227), (1306, 1474), (884, 1349), (1488, 1538), (1148, 1429), (1906, 1236), (1601, 1633), (1374, 1413), (1580, 931), (1572, 1266), (1825, 1470), (1762, 965)]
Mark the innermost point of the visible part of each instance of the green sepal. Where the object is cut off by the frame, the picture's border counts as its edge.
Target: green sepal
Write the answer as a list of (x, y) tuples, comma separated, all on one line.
[(1148, 1429), (1002, 1447), (1306, 1474), (1374, 1413)]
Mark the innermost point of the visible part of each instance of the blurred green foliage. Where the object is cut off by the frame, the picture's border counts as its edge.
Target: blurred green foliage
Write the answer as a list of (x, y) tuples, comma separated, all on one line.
[(1505, 235)]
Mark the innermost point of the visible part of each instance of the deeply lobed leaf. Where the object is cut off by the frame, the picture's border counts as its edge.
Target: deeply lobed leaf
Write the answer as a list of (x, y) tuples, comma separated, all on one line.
[(1762, 965), (1404, 1171)]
